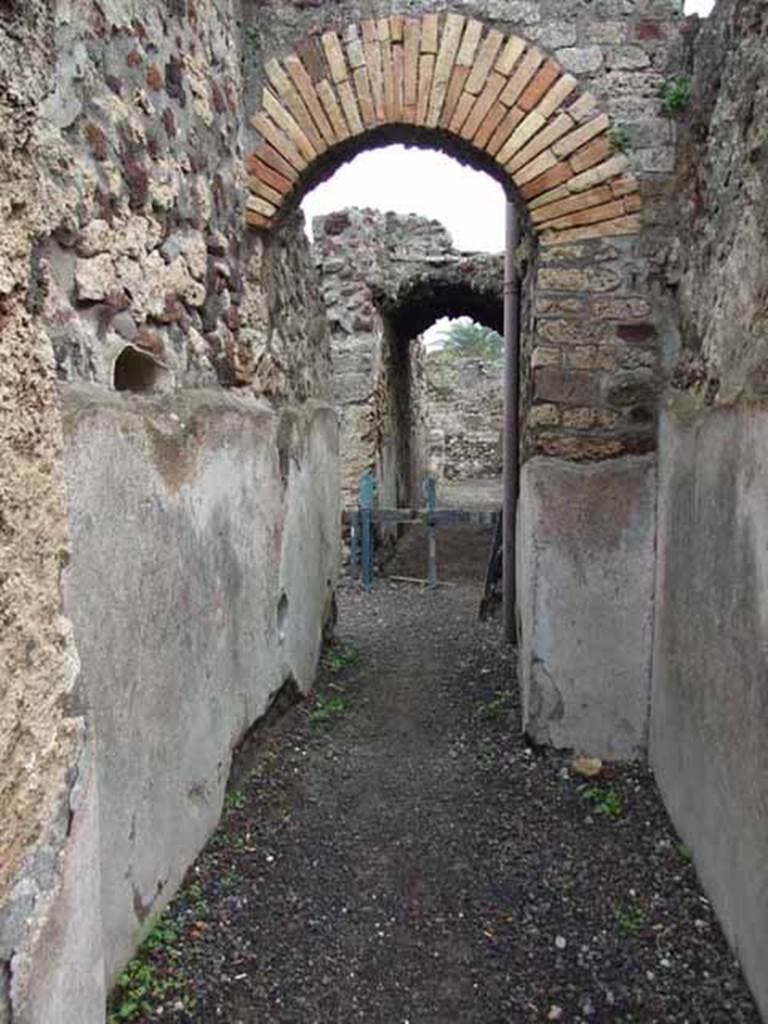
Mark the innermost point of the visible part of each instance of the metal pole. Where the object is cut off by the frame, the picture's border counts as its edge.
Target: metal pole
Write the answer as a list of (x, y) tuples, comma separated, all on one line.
[(430, 490), (511, 441), (367, 501)]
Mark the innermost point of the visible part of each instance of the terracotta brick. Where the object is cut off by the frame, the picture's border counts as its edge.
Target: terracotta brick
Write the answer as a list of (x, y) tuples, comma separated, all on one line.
[(510, 55), (383, 30), (628, 225), (306, 88), (273, 178), (312, 57), (273, 159), (257, 220), (484, 102), (279, 141), (524, 131), (258, 205), (429, 33), (624, 185), (484, 61), (559, 92), (549, 179), (599, 173), (592, 215), (334, 54), (388, 73), (262, 189), (287, 122), (449, 46), (355, 52), (398, 68), (510, 121), (539, 85), (521, 76), (580, 201), (469, 43), (295, 104), (579, 136), (396, 28), (363, 90), (333, 110), (426, 70), (463, 108), (370, 31), (412, 34), (591, 154), (350, 108), (375, 76), (490, 123), (553, 195), (561, 124), (455, 89), (541, 163), (632, 203)]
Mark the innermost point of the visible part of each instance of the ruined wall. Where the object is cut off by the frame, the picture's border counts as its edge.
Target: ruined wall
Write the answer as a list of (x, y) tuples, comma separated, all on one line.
[(465, 415), (709, 725), (385, 279), (122, 166)]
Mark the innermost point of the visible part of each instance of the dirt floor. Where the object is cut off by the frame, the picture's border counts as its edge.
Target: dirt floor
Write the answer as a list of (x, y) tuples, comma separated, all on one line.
[(393, 851)]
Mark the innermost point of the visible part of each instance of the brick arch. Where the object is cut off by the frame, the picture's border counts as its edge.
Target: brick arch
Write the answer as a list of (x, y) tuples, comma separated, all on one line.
[(498, 96)]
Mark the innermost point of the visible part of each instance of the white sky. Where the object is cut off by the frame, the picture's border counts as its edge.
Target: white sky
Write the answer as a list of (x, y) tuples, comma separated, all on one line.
[(407, 180)]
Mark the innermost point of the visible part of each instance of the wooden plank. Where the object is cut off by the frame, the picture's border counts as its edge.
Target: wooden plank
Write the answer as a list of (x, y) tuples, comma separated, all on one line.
[(510, 55), (560, 91), (449, 46), (455, 89), (581, 201), (412, 33), (553, 131), (306, 88), (485, 101), (540, 84), (426, 70), (521, 76), (363, 89), (349, 106), (484, 61), (334, 54), (278, 140), (579, 136), (333, 110), (509, 122), (261, 169), (274, 108), (469, 43), (490, 123), (429, 33)]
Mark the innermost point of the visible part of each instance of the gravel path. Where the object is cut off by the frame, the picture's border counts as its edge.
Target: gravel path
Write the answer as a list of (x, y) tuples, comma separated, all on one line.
[(393, 852)]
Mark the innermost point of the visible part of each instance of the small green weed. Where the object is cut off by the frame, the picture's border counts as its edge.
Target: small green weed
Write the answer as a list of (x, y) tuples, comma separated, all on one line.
[(629, 917), (620, 137), (340, 656), (498, 705), (606, 801), (684, 852), (675, 95), (234, 800), (326, 711), (251, 39), (153, 977)]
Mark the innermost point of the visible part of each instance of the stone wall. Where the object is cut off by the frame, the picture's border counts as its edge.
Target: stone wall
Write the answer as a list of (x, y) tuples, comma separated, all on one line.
[(465, 415), (709, 724), (385, 279), (125, 263)]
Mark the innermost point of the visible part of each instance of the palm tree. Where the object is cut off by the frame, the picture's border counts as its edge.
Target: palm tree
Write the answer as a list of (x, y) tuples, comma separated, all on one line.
[(466, 338)]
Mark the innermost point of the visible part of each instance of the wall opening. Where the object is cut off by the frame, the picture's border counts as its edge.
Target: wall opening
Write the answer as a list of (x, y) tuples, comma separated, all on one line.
[(136, 371)]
